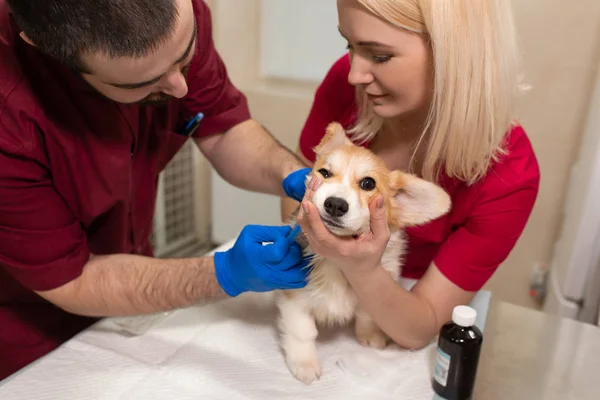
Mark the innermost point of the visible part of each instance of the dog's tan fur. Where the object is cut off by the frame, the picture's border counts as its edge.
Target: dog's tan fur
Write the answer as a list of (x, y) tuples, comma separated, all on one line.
[(328, 298)]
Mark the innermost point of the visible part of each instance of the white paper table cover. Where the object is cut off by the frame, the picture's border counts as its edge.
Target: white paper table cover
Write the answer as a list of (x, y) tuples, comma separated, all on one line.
[(225, 350)]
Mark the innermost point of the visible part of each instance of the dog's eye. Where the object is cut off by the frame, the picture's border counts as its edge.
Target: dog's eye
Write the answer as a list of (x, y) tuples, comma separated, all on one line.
[(367, 183), (326, 174)]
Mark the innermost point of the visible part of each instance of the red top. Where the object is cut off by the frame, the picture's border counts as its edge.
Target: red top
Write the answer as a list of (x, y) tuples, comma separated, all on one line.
[(78, 175), (486, 219)]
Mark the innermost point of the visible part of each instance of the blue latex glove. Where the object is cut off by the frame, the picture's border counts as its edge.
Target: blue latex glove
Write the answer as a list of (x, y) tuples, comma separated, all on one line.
[(295, 184), (251, 266)]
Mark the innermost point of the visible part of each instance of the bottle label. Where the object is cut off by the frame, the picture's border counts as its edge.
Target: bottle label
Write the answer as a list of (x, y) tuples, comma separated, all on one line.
[(442, 365)]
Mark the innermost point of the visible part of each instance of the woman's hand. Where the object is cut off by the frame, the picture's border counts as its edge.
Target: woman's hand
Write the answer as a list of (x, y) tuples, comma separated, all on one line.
[(355, 256)]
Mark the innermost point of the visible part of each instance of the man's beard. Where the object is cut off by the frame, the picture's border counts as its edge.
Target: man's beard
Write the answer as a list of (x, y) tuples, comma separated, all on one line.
[(161, 99), (155, 100), (152, 100)]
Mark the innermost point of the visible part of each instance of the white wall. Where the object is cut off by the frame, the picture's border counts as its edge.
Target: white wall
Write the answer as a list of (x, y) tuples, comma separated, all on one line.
[(299, 39)]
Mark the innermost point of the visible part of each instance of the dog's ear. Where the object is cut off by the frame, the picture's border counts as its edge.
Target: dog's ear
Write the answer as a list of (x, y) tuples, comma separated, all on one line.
[(335, 137), (416, 201)]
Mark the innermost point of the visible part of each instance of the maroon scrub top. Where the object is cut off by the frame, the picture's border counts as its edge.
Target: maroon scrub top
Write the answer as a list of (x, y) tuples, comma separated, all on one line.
[(78, 176)]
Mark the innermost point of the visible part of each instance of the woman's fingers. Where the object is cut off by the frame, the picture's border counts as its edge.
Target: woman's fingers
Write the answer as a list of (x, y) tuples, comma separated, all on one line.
[(379, 221), (310, 222), (305, 209), (314, 183), (324, 242), (320, 238), (318, 228), (303, 221), (310, 188)]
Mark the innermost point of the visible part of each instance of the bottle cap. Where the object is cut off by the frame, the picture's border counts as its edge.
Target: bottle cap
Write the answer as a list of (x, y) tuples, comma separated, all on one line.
[(464, 316)]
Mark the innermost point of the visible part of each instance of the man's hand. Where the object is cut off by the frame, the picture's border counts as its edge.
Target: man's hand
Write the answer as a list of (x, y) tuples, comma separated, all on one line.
[(295, 184), (263, 258)]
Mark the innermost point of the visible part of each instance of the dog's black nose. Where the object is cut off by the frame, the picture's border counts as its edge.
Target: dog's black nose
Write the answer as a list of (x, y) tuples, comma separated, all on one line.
[(335, 206)]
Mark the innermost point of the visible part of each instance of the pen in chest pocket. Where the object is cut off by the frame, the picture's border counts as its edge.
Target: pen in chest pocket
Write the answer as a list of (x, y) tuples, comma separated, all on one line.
[(189, 128)]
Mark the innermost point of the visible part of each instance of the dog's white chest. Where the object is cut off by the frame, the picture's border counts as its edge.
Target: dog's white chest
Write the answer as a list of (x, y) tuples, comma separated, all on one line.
[(330, 298)]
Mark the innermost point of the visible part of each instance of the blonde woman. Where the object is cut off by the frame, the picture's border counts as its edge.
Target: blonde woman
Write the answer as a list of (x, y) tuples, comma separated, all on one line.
[(429, 87)]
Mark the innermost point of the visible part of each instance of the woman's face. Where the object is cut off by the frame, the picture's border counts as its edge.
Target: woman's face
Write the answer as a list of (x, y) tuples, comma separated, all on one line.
[(393, 66)]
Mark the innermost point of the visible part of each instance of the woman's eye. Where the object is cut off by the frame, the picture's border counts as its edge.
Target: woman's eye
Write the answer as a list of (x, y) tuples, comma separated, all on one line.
[(382, 59), (367, 183), (326, 174)]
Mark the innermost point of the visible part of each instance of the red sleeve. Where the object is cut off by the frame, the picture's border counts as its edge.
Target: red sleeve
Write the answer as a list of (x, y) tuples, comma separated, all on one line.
[(333, 101), (210, 90), (42, 245), (505, 199)]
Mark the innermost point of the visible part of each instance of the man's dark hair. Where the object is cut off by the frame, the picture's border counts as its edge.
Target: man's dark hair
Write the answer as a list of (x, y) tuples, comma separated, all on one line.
[(65, 29)]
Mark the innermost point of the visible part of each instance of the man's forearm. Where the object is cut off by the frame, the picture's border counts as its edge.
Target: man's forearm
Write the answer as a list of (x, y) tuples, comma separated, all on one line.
[(250, 158), (123, 284)]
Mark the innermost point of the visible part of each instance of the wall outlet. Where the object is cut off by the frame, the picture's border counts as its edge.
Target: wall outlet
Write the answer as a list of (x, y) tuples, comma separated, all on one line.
[(538, 281)]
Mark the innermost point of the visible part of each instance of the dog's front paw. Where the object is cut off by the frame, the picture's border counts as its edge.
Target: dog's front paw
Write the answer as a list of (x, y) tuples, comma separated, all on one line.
[(305, 370), (372, 338), (367, 333)]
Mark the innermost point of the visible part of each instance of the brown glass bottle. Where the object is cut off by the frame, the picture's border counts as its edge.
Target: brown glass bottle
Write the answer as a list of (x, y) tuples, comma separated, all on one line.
[(457, 358)]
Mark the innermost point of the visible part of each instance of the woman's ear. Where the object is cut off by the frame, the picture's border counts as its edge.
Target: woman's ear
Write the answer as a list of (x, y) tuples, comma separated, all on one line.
[(416, 201), (26, 39)]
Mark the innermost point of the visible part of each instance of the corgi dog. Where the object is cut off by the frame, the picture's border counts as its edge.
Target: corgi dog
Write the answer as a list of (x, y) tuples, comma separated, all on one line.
[(351, 177)]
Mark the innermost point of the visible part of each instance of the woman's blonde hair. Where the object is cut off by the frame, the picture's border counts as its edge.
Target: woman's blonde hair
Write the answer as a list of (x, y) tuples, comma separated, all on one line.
[(475, 61)]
